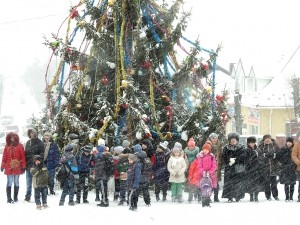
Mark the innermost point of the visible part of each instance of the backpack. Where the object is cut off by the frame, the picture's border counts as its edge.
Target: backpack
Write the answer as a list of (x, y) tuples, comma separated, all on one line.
[(109, 166), (206, 187), (146, 166), (62, 173)]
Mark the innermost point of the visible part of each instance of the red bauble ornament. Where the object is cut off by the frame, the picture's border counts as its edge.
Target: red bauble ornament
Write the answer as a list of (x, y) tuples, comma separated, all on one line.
[(75, 67), (124, 106), (101, 122), (69, 51), (74, 14), (146, 65), (147, 135), (168, 108), (219, 98), (204, 66), (104, 80)]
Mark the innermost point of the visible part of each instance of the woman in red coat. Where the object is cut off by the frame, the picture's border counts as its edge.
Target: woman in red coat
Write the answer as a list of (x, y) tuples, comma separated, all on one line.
[(13, 164)]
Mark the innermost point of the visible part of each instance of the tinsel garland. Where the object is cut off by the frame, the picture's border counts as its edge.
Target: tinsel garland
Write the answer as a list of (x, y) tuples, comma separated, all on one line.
[(105, 124), (117, 71)]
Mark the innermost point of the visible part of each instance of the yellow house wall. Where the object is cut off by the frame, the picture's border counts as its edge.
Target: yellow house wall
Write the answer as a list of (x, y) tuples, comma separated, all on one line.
[(271, 121)]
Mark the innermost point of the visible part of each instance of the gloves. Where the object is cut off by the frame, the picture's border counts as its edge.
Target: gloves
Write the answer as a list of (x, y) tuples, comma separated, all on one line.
[(231, 161), (2, 169)]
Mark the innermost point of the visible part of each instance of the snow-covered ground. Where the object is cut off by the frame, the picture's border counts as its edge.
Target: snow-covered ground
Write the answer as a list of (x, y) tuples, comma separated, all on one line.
[(242, 213)]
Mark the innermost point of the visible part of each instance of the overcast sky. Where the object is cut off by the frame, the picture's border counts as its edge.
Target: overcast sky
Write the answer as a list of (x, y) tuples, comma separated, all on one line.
[(262, 33)]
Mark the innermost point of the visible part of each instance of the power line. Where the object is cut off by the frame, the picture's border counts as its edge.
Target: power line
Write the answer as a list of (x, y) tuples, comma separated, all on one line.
[(29, 19), (290, 58)]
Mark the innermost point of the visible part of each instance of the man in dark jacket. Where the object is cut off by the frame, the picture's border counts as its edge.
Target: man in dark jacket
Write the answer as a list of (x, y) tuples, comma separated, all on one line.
[(34, 146), (268, 148)]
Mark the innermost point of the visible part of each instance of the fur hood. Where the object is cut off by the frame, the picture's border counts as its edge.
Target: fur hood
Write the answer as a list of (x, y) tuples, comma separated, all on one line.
[(32, 130), (8, 137), (122, 155)]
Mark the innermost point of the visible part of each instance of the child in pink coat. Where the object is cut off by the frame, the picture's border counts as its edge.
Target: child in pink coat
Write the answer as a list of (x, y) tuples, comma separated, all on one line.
[(207, 165)]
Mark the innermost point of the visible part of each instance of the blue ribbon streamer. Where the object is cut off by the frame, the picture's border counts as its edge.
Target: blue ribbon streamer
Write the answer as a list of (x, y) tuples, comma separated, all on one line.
[(198, 47), (150, 24), (121, 124), (166, 67), (170, 64), (213, 84), (76, 28)]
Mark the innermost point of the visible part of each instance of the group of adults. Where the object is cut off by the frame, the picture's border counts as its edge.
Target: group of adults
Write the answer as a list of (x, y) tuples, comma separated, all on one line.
[(16, 161), (256, 168)]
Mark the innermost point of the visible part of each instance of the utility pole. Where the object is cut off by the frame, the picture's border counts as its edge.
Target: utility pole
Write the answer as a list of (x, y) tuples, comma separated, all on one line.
[(238, 112), (295, 83)]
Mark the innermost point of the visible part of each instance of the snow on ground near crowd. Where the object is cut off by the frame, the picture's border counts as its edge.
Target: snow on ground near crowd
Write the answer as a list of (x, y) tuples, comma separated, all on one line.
[(242, 213)]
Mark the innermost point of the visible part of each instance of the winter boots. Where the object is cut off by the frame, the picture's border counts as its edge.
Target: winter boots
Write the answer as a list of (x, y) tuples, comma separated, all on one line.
[(157, 197), (8, 194), (216, 194), (103, 204), (205, 202), (289, 192), (16, 192), (179, 197)]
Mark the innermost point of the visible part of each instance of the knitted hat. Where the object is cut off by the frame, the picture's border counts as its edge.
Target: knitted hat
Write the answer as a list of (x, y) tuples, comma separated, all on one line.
[(164, 145), (191, 143), (101, 141), (177, 145), (100, 148), (251, 139), (175, 149), (235, 136), (207, 146), (69, 148), (289, 139), (137, 148), (132, 157), (118, 150), (266, 136), (73, 136), (37, 157), (87, 148), (213, 136), (126, 144)]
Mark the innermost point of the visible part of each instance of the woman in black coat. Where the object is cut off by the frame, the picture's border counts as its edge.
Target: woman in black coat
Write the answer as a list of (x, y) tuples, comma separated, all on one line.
[(255, 181), (234, 156), (287, 174)]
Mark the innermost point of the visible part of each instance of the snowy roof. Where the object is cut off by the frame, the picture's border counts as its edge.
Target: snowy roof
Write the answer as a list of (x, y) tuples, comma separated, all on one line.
[(277, 94)]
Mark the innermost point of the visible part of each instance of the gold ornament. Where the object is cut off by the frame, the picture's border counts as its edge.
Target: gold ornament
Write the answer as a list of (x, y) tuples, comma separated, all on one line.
[(124, 83), (81, 23), (132, 72), (78, 106), (169, 135), (111, 2), (208, 89)]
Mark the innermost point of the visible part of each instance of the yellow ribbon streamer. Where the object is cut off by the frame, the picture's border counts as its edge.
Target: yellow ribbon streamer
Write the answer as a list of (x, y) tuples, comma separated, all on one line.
[(104, 126)]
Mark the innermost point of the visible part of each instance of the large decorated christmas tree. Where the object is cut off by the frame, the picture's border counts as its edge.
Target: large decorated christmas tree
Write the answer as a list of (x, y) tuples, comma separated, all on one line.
[(129, 76)]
